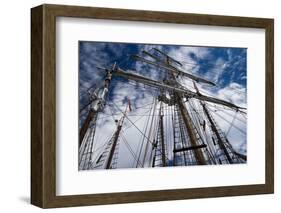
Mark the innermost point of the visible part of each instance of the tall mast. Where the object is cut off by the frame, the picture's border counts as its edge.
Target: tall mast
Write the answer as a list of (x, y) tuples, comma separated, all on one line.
[(158, 146), (115, 140), (179, 95), (214, 128), (85, 126), (190, 145), (189, 126), (97, 102), (107, 159), (187, 121), (163, 155), (116, 137)]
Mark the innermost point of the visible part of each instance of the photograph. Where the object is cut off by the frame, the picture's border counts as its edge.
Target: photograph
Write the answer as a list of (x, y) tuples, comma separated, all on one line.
[(149, 104), (152, 105)]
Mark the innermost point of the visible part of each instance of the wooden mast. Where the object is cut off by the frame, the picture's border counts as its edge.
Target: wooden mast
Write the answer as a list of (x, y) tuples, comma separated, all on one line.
[(215, 130), (112, 150), (213, 127), (189, 126), (85, 126), (96, 107), (163, 155), (199, 156), (116, 137)]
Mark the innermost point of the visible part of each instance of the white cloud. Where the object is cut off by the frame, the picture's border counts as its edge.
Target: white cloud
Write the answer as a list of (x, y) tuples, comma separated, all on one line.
[(235, 93), (183, 54)]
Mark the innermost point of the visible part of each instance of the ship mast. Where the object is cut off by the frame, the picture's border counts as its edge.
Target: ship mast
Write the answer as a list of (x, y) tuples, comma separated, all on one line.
[(108, 158), (188, 143), (172, 81), (97, 103), (199, 157), (115, 139)]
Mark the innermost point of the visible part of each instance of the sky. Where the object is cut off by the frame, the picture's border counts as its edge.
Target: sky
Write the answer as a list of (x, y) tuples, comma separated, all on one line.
[(225, 66)]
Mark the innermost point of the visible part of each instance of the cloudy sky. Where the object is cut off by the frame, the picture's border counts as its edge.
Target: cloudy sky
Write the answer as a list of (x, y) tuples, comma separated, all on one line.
[(226, 67)]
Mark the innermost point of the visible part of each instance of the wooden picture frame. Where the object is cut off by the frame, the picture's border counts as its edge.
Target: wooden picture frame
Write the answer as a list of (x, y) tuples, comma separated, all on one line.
[(43, 105)]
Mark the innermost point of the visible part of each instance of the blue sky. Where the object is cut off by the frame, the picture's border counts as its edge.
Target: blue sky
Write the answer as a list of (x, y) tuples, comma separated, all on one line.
[(226, 67), (220, 65)]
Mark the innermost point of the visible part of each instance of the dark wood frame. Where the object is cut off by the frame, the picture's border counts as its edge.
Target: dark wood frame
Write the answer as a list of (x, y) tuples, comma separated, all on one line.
[(43, 105)]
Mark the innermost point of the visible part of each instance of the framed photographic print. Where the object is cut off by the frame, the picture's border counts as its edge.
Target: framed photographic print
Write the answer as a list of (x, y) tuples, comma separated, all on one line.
[(136, 106)]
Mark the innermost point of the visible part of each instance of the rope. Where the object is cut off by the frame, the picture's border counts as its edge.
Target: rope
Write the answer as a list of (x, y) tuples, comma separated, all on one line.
[(232, 123), (131, 151), (134, 125), (242, 131)]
